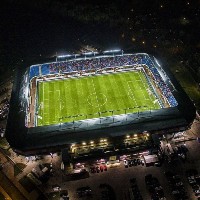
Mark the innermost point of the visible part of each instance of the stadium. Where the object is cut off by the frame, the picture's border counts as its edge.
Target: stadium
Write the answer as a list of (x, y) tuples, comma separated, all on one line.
[(54, 105)]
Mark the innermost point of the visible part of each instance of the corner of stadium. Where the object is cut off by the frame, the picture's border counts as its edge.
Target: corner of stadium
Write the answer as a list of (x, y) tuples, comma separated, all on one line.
[(30, 131)]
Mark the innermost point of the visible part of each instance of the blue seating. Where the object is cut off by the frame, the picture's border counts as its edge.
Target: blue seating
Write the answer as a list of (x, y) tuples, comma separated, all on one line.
[(45, 69), (34, 71), (105, 62)]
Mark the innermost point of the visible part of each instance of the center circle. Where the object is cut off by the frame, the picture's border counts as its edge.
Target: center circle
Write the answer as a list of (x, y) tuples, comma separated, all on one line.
[(97, 99)]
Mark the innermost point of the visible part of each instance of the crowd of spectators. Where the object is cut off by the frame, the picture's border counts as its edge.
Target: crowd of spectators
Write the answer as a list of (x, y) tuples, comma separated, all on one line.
[(102, 63), (96, 63), (162, 85)]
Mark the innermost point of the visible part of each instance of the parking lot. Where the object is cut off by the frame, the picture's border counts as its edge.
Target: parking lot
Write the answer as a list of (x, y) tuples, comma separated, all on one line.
[(118, 177)]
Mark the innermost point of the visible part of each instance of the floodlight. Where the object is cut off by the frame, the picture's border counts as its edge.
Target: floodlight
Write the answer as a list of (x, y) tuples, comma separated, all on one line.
[(72, 146), (112, 51), (76, 55), (157, 62), (64, 56), (89, 53), (116, 50)]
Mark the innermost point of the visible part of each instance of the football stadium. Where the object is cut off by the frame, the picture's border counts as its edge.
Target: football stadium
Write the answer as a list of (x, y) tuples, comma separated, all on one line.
[(57, 104)]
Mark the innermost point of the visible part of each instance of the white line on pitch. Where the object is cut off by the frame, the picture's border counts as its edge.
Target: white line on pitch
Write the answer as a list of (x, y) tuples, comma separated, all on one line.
[(96, 94), (131, 92), (146, 90)]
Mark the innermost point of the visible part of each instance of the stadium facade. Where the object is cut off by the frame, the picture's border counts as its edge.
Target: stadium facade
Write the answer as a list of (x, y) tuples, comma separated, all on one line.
[(27, 132)]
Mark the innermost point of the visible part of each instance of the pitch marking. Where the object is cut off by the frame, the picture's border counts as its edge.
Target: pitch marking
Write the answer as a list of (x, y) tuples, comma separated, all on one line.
[(91, 96), (130, 93)]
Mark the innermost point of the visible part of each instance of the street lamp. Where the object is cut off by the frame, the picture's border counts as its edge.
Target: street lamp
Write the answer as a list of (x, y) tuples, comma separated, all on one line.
[(51, 154), (91, 142), (83, 143)]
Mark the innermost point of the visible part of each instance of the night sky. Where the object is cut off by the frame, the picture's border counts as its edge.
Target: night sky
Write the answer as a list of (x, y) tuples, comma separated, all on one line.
[(33, 31)]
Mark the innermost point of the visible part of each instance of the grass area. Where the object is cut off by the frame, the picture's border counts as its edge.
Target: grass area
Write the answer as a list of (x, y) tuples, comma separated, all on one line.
[(53, 196), (21, 165), (27, 184), (56, 195), (7, 151), (4, 144), (2, 197), (18, 168), (90, 97), (188, 83)]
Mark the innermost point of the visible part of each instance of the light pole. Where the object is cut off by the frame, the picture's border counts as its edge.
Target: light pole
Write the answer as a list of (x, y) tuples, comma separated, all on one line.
[(125, 113)]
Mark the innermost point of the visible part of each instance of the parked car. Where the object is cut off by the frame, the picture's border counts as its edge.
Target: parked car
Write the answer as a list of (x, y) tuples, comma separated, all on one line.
[(97, 169), (84, 191), (126, 163), (92, 169), (101, 168)]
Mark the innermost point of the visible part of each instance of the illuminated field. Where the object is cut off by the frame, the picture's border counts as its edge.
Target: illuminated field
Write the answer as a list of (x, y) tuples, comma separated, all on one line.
[(89, 97)]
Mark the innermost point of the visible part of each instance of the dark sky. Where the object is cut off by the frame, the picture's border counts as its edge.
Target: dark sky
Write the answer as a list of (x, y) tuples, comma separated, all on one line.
[(40, 28)]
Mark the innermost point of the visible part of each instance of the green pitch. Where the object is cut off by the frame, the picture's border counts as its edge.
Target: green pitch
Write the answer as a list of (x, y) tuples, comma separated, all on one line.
[(104, 95)]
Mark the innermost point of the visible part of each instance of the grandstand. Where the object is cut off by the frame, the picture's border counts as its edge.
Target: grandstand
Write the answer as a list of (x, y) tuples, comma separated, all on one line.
[(103, 94), (76, 104)]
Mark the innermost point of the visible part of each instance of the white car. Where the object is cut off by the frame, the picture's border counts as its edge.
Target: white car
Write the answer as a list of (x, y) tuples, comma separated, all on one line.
[(56, 188), (126, 163)]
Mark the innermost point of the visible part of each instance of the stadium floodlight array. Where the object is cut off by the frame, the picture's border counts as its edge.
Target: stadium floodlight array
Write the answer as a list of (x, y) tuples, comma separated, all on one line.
[(112, 51), (64, 56), (90, 53), (75, 55), (157, 62)]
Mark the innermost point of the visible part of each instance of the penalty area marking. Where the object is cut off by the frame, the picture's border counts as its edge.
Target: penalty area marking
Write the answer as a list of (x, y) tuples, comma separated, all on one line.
[(130, 93), (97, 100)]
